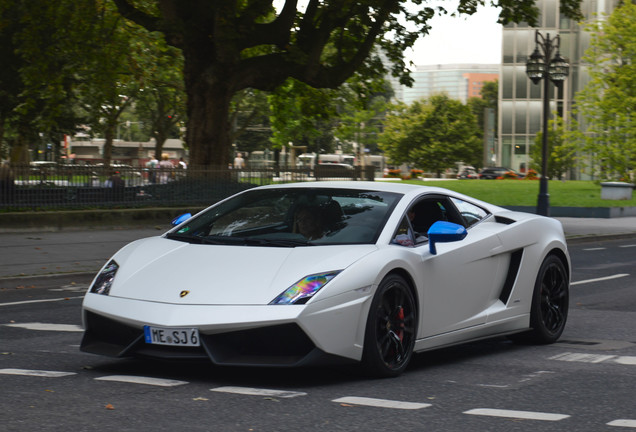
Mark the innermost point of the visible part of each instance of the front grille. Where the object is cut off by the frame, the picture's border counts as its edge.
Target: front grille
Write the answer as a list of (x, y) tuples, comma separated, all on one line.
[(284, 344), (281, 345)]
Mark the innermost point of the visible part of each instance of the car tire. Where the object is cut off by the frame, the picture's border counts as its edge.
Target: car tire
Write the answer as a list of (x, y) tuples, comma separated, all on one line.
[(550, 303), (391, 329)]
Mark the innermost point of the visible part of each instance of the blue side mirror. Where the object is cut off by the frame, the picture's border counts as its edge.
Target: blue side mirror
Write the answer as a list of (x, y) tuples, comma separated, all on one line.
[(180, 219), (444, 232)]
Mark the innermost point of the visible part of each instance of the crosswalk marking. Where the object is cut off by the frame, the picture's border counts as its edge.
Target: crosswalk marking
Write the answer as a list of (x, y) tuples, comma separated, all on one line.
[(623, 423), (526, 415), (142, 380), (353, 400), (38, 373), (258, 392), (47, 327), (582, 357), (40, 301), (594, 358), (381, 403)]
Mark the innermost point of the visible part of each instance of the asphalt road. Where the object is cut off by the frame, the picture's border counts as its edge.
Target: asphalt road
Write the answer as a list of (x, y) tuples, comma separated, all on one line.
[(585, 382)]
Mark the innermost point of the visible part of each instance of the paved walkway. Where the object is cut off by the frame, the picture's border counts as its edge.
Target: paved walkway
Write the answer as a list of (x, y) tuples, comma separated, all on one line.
[(586, 227)]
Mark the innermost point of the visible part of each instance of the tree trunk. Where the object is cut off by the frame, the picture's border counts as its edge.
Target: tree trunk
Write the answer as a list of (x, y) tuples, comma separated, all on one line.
[(160, 139), (209, 90), (109, 134)]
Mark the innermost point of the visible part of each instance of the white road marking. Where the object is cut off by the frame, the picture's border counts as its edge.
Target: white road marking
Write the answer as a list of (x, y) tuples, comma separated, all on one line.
[(582, 357), (623, 423), (71, 288), (628, 246), (47, 327), (40, 301), (142, 380), (595, 249), (38, 373), (381, 403), (616, 276), (626, 360), (258, 392), (526, 415), (595, 358)]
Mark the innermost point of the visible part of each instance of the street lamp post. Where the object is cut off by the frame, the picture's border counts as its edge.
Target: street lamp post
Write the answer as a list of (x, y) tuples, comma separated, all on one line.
[(542, 66)]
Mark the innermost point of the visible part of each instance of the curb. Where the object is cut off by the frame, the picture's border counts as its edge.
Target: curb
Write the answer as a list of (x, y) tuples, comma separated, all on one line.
[(13, 222), (581, 212)]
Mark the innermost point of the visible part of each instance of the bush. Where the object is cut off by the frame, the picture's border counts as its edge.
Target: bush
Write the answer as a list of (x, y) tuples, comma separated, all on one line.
[(394, 173), (416, 173), (532, 175)]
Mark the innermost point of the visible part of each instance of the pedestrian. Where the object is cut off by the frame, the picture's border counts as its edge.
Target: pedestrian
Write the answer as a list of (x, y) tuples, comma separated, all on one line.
[(115, 181), (152, 165), (165, 168), (239, 162)]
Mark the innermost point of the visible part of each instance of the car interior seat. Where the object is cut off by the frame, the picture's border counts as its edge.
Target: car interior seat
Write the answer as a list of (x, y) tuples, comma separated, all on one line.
[(426, 214)]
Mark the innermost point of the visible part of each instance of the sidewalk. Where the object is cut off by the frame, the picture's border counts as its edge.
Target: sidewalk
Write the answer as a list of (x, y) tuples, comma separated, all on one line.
[(590, 228), (75, 252)]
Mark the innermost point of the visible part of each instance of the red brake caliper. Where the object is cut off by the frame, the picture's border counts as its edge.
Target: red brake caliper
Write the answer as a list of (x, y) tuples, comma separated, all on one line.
[(400, 316)]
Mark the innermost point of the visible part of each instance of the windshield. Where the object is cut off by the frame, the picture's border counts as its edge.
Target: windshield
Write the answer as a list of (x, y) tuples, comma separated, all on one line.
[(290, 217)]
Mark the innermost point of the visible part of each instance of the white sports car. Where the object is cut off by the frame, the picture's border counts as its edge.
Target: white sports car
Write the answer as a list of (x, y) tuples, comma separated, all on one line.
[(297, 274)]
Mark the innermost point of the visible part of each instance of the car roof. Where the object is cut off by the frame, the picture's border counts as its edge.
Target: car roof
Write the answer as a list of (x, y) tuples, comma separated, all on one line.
[(379, 186)]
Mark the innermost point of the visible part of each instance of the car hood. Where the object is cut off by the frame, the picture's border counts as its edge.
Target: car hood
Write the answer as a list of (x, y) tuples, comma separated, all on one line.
[(161, 270)]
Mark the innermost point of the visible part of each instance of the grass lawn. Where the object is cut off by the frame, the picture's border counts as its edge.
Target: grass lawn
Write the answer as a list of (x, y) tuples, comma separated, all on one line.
[(524, 192)]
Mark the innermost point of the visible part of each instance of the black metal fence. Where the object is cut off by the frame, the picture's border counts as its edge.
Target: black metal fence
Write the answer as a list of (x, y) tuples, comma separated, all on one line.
[(85, 186)]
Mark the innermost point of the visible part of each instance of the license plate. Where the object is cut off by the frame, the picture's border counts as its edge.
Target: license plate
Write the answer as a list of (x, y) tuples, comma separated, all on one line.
[(187, 337)]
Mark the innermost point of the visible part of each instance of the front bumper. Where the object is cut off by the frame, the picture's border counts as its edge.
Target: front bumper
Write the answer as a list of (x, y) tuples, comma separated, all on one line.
[(325, 332), (284, 345)]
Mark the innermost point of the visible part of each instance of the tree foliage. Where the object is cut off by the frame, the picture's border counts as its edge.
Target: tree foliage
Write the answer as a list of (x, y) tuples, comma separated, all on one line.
[(232, 45), (562, 149), (67, 62), (433, 135), (608, 102)]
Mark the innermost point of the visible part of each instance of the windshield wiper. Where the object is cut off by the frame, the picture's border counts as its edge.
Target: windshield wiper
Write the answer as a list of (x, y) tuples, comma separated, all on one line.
[(243, 241), (184, 238), (214, 240), (251, 241)]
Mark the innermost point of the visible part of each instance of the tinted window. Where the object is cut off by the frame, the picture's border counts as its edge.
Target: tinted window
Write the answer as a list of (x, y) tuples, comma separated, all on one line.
[(470, 213), (292, 217)]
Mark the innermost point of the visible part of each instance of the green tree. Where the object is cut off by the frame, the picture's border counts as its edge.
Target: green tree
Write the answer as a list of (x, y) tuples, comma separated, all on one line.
[(433, 135), (363, 103), (233, 45), (302, 115), (562, 149), (160, 106), (250, 119), (40, 43), (608, 102)]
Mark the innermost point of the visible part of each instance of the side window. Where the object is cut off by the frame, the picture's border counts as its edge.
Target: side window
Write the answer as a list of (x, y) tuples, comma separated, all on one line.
[(404, 235), (471, 214), (426, 212)]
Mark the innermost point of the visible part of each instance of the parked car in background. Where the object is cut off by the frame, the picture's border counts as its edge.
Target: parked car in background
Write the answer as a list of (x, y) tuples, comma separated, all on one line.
[(490, 173), (333, 171), (468, 173)]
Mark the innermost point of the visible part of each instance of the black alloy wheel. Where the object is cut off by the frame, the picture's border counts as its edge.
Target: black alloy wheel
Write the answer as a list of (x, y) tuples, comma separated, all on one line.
[(550, 303), (391, 329)]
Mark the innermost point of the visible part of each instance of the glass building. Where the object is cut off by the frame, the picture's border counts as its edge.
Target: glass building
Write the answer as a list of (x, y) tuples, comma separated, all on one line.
[(521, 101), (457, 81)]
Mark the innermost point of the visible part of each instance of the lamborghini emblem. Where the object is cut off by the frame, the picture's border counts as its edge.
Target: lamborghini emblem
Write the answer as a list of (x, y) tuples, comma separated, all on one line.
[(184, 293)]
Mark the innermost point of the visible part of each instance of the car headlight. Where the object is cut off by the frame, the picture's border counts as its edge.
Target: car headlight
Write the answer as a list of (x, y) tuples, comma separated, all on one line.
[(105, 278), (304, 289)]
